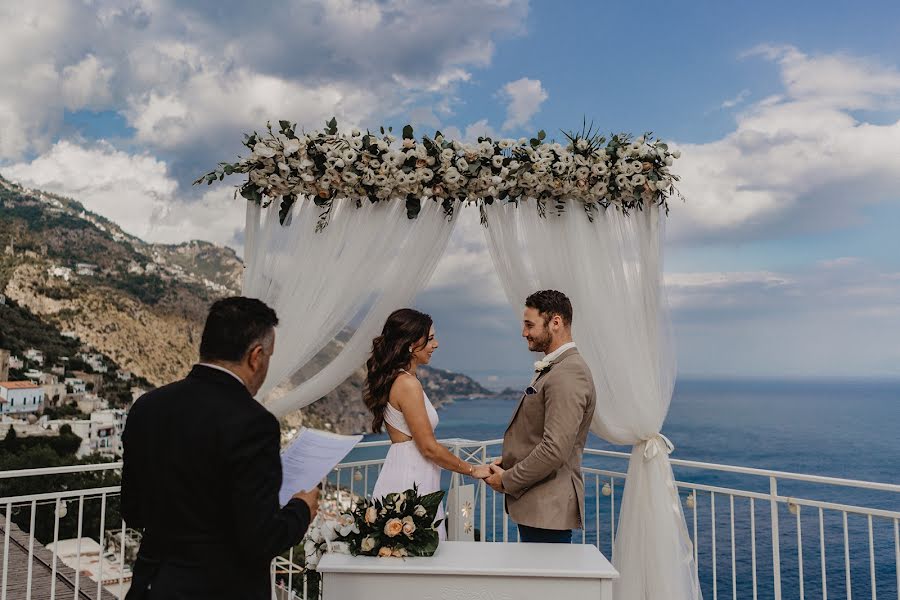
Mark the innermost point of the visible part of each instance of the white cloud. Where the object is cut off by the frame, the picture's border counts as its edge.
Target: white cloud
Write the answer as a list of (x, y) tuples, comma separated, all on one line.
[(801, 161), (190, 79), (739, 99), (135, 191), (86, 84), (836, 80), (524, 98)]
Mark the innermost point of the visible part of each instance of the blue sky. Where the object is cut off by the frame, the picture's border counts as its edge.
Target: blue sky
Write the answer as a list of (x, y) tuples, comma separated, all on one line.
[(782, 262)]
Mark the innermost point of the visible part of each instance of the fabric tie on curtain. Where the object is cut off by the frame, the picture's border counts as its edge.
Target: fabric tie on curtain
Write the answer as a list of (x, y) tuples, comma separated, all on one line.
[(656, 444), (369, 261), (611, 269)]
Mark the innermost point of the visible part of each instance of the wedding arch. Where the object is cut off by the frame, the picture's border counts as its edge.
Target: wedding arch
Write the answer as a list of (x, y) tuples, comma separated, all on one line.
[(344, 227)]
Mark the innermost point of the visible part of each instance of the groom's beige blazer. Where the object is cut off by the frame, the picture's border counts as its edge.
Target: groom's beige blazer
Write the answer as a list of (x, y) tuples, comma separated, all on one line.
[(543, 445)]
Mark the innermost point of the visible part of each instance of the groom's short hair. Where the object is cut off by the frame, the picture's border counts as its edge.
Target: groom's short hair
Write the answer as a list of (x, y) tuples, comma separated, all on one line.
[(550, 303), (233, 326)]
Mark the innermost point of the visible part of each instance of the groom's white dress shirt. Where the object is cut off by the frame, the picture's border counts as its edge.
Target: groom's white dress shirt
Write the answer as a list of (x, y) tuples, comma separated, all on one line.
[(556, 353)]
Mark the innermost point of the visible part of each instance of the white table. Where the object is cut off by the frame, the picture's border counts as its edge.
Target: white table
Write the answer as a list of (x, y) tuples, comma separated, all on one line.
[(476, 570)]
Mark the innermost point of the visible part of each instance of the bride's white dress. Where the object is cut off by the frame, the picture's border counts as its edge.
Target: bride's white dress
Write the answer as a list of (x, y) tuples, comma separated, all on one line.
[(405, 465)]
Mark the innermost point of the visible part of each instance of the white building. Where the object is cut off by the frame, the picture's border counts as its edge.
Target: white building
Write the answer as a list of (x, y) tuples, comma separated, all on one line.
[(35, 355), (18, 397), (96, 362), (16, 363), (34, 375), (64, 273), (75, 385), (106, 431), (88, 557), (69, 334), (86, 269), (123, 375), (89, 403), (54, 393), (2, 299)]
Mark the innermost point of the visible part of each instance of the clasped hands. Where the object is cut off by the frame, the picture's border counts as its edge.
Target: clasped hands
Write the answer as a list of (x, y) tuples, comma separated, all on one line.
[(492, 475)]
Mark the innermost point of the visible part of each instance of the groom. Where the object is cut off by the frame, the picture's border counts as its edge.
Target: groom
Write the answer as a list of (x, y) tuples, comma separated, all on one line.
[(540, 471)]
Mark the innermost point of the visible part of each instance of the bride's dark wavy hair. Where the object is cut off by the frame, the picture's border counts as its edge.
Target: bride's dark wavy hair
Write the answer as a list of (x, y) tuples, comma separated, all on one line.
[(405, 328)]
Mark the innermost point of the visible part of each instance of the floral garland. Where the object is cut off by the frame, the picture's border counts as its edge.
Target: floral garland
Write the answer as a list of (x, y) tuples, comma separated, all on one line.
[(622, 172)]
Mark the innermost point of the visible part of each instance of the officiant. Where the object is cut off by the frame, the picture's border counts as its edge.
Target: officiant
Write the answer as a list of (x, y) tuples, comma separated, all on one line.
[(202, 471)]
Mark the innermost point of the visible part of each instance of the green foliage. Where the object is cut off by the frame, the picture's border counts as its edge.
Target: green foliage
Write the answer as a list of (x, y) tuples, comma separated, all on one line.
[(64, 445), (22, 330), (149, 289)]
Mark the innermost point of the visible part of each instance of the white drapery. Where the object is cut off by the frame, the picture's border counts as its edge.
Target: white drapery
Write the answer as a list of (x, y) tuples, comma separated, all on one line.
[(611, 269), (367, 262)]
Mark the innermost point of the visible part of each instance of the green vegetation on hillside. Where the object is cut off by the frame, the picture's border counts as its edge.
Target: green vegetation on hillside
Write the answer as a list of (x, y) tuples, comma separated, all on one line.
[(22, 330)]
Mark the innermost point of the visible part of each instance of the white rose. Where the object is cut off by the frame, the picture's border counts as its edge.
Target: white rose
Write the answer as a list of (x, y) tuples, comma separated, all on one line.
[(461, 164), (263, 151), (419, 510), (290, 147), (349, 155), (677, 154), (638, 180), (368, 544)]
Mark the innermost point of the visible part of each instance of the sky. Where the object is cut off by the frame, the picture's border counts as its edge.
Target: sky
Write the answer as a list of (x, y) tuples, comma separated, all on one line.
[(782, 261)]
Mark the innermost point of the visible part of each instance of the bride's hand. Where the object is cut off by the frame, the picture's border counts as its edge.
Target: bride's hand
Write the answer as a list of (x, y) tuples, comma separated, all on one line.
[(482, 472)]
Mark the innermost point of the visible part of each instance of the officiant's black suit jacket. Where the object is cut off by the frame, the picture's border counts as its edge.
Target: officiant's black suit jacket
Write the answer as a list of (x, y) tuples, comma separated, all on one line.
[(201, 478)]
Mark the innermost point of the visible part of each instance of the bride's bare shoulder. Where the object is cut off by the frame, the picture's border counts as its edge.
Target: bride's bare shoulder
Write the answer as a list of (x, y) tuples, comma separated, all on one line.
[(406, 386)]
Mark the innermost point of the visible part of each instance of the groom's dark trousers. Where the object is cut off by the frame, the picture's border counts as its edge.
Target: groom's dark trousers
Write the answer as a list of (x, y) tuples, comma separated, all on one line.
[(201, 478), (545, 536)]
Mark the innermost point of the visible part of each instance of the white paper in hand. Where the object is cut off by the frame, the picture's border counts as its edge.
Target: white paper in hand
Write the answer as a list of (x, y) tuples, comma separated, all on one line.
[(310, 458)]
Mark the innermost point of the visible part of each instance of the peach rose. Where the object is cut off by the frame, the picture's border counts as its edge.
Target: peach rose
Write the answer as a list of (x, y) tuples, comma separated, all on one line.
[(409, 527), (384, 551), (371, 515), (393, 527), (399, 552)]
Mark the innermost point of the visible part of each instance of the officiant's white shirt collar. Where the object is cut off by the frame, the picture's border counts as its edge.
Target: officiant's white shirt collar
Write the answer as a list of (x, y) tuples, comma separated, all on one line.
[(556, 353), (223, 369)]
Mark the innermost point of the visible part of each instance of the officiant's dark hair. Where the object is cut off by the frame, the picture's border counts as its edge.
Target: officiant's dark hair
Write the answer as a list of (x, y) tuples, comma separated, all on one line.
[(233, 326), (549, 303), (404, 329)]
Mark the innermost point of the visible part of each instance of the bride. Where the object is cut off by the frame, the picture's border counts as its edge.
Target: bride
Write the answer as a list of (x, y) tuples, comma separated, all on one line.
[(398, 402)]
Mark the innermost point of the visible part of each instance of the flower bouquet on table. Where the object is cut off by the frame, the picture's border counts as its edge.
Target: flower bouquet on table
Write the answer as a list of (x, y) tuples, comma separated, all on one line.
[(399, 524)]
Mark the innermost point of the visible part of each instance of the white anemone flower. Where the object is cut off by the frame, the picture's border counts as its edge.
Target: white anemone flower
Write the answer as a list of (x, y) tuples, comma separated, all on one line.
[(291, 146)]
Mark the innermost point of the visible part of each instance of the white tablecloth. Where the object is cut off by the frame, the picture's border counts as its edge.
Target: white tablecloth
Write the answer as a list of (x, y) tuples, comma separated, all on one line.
[(461, 570)]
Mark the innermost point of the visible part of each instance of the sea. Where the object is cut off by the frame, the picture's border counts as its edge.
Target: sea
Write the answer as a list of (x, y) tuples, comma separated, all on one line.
[(844, 428)]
